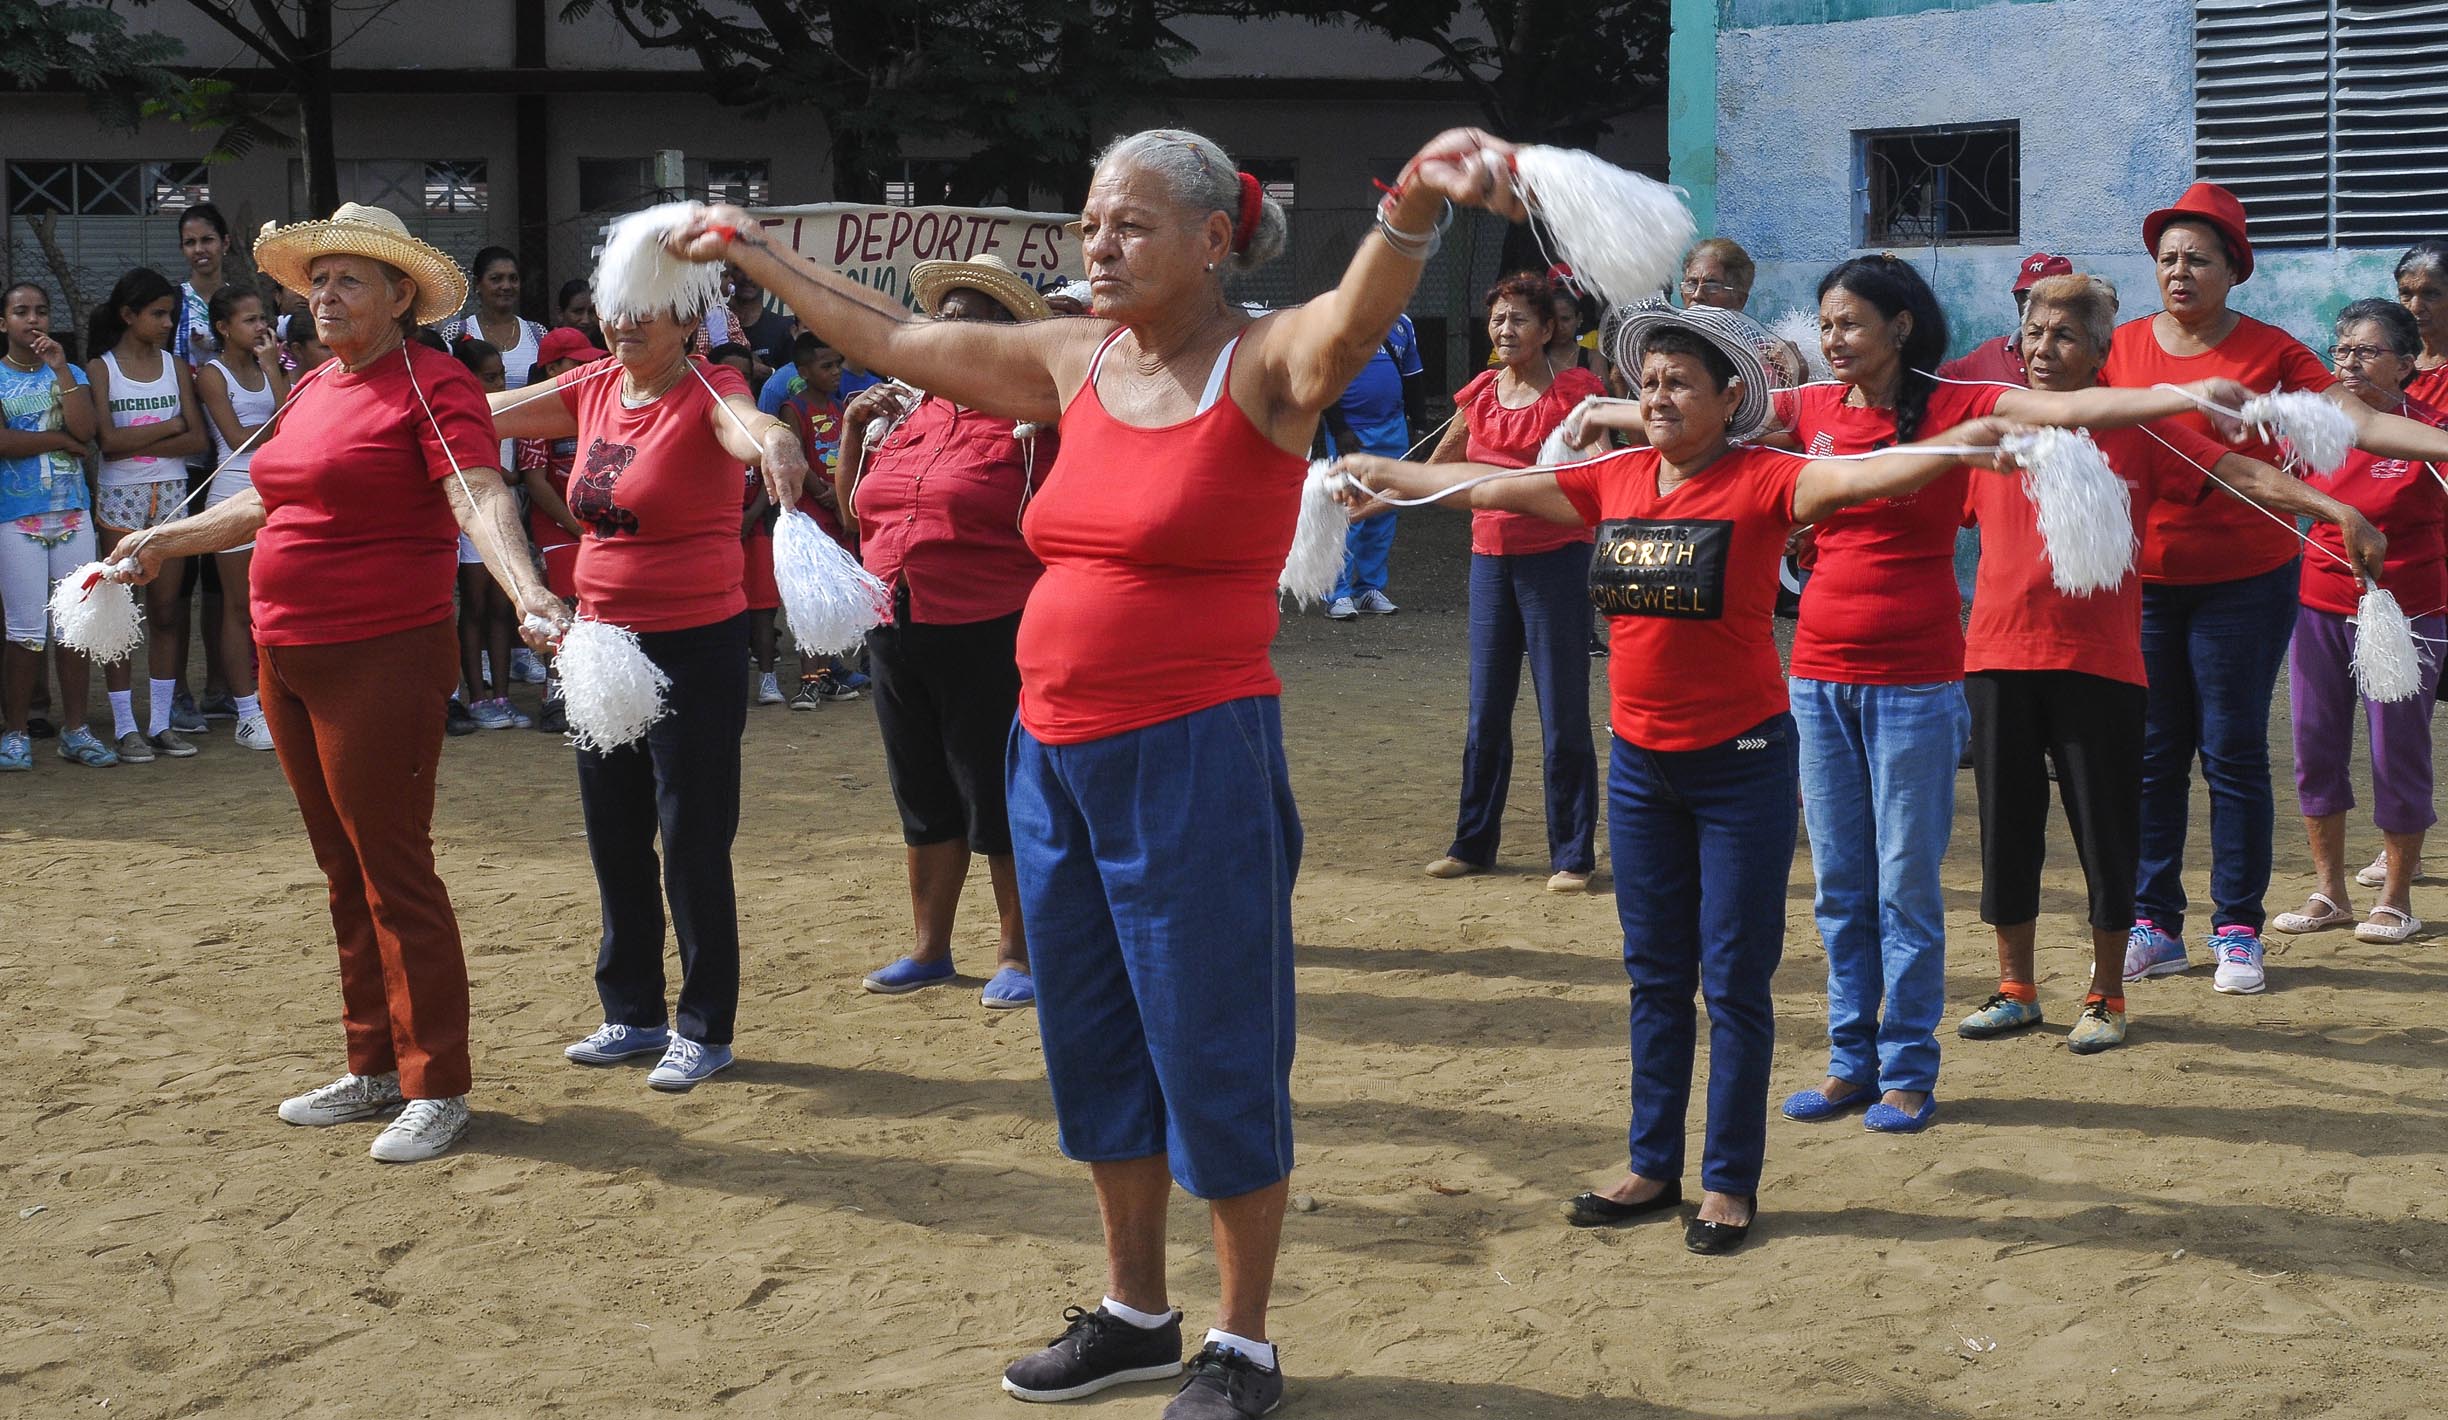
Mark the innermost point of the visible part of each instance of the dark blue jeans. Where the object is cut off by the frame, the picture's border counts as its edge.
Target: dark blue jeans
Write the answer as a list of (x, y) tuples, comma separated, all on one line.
[(1536, 603), (1703, 844), (2213, 653), (682, 780)]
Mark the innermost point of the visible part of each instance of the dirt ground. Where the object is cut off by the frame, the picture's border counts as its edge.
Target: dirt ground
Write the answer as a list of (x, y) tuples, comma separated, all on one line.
[(2241, 1214)]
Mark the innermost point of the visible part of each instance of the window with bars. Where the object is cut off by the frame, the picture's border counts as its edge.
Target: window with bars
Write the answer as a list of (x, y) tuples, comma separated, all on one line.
[(923, 182), (2328, 119), (81, 189), (745, 181), (409, 187), (1919, 186)]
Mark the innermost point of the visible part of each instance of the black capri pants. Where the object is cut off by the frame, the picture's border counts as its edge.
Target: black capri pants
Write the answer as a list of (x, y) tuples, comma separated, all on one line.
[(945, 696), (2092, 728)]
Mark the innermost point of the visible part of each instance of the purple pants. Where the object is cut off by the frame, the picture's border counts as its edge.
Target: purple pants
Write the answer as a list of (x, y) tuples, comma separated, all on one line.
[(2320, 663)]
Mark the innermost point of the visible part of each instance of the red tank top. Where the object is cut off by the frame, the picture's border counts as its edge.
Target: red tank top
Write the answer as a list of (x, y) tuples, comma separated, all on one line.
[(1162, 548)]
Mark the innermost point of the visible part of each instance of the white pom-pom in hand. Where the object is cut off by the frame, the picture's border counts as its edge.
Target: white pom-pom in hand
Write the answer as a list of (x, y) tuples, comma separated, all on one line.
[(829, 600), (613, 694), (2319, 432), (637, 277), (2387, 664), (1315, 562), (1624, 235), (97, 616), (1800, 329), (2086, 514)]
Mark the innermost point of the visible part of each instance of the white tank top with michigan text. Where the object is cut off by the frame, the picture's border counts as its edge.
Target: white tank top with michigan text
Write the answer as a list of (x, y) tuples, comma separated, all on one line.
[(253, 407), (133, 403)]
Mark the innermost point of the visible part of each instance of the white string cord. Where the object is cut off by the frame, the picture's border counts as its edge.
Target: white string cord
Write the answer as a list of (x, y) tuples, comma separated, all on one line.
[(128, 548), (1957, 450), (2284, 522)]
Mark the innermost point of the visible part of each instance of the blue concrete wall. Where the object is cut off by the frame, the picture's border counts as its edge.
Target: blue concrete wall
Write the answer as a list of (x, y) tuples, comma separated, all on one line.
[(2103, 90)]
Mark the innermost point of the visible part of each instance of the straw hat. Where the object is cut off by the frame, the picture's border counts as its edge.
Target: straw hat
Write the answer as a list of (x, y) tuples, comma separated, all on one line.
[(286, 253), (1740, 338), (984, 274)]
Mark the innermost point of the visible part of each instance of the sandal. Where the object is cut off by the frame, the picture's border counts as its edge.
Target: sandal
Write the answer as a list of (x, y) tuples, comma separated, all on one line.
[(2388, 933), (2295, 924)]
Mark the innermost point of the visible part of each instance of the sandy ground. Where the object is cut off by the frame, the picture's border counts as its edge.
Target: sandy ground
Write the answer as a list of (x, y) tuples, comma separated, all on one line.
[(2240, 1215)]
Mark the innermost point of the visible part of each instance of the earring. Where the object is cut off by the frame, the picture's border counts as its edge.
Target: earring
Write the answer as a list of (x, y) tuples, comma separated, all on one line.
[(1211, 266)]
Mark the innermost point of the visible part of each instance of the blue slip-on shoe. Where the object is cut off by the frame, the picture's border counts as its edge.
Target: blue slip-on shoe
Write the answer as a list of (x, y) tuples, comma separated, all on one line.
[(1811, 1106), (686, 1064), (907, 974), (1010, 989), (2151, 952), (1887, 1119), (610, 1044)]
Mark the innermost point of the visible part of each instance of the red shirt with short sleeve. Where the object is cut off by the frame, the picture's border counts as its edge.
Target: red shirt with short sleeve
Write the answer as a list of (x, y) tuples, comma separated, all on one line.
[(2216, 539), (1687, 582), (1162, 548), (660, 498), (1882, 606), (1995, 360), (2405, 501), (938, 507), (1510, 438), (360, 540), (2020, 621), (2429, 387)]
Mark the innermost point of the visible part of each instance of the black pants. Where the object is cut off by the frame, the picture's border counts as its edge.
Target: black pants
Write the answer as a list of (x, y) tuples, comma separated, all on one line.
[(683, 780), (944, 699), (2092, 728)]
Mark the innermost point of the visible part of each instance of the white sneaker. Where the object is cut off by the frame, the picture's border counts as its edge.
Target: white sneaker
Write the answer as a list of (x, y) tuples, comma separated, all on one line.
[(253, 733), (2239, 964), (422, 1131), (345, 1100), (1341, 609), (2377, 874), (1376, 603), (525, 667), (769, 689)]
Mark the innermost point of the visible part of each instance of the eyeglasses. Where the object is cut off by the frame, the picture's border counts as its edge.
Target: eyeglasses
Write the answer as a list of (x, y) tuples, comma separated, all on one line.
[(2358, 354), (1692, 287)]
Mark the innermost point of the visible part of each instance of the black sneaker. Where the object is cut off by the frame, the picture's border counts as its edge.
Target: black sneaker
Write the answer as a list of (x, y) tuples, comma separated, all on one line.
[(553, 717), (830, 686), (809, 695), (1226, 1385), (457, 721), (1098, 1350)]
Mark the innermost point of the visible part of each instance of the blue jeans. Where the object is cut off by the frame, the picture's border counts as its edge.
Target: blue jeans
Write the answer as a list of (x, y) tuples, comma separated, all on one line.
[(1878, 793), (2213, 653), (1536, 603), (1365, 546), (1712, 831), (1155, 870)]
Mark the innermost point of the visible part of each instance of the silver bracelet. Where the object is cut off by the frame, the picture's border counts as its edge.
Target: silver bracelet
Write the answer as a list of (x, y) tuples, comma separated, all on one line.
[(1418, 246)]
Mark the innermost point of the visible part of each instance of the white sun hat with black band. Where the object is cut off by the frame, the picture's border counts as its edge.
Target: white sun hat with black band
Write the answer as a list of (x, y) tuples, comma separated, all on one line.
[(1742, 340), (287, 255)]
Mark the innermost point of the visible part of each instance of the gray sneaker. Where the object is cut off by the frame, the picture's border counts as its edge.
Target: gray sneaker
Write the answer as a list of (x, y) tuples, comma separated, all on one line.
[(351, 1097), (1341, 609), (185, 717), (1226, 1385), (134, 748), (423, 1130), (171, 743), (1375, 603)]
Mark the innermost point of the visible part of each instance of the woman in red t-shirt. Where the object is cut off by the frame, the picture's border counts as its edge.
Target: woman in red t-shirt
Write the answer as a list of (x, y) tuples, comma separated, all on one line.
[(2218, 594), (2058, 679), (2422, 288), (663, 437), (2377, 342), (1526, 597), (375, 464), (1153, 828), (1877, 681), (1701, 787)]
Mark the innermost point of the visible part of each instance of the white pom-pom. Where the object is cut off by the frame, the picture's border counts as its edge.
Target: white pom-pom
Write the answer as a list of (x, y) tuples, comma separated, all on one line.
[(613, 694), (2086, 514), (1316, 560), (635, 277), (97, 617), (829, 600), (2387, 665), (1800, 329), (1624, 235), (2319, 432)]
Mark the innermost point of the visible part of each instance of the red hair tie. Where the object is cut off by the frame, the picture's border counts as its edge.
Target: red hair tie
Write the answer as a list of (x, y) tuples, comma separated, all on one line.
[(1253, 193)]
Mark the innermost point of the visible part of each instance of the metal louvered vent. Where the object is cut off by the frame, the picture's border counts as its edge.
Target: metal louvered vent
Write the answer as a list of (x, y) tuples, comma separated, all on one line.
[(2327, 118)]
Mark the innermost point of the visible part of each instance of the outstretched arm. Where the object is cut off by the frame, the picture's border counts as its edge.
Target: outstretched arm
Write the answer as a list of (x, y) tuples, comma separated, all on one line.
[(2273, 488), (2391, 436), (1828, 485), (490, 517), (2101, 407), (1536, 494)]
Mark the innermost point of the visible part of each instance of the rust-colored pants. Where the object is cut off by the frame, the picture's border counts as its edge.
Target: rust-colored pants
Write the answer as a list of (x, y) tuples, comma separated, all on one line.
[(358, 726)]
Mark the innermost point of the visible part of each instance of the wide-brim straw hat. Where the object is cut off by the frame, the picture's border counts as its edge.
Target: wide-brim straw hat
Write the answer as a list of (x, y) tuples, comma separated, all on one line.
[(1740, 338), (288, 253), (986, 275)]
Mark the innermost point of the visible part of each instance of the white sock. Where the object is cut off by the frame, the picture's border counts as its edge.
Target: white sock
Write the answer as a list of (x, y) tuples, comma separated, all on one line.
[(1262, 1352), (249, 707), (123, 713), (158, 695), (1145, 1321)]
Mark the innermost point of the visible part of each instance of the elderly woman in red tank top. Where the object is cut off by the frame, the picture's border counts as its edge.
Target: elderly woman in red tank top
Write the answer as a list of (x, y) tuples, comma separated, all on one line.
[(1152, 820)]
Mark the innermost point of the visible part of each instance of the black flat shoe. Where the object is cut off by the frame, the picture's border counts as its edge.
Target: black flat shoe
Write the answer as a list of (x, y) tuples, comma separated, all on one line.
[(1594, 1210), (1715, 1239)]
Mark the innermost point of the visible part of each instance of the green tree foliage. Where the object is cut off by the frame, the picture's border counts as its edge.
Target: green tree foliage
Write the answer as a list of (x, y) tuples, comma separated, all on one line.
[(89, 46)]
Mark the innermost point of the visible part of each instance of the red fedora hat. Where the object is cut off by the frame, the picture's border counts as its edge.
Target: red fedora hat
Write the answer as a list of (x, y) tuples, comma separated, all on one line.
[(2211, 203)]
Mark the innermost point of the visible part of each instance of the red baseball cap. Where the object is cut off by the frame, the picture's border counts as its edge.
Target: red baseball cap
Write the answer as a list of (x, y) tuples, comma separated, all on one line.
[(2039, 267), (2207, 202), (566, 342)]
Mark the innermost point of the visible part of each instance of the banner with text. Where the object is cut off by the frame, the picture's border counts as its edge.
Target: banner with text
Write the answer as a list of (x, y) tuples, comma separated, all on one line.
[(877, 246)]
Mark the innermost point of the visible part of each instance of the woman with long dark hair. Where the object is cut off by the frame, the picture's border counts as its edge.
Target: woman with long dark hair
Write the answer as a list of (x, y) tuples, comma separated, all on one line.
[(495, 318), (239, 391)]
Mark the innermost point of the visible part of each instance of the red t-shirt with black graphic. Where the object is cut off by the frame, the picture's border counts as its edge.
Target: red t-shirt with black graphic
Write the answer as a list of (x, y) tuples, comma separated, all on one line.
[(660, 498)]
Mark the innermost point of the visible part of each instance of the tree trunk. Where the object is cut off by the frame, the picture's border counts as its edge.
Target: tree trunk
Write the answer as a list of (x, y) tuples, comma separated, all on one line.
[(314, 89)]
